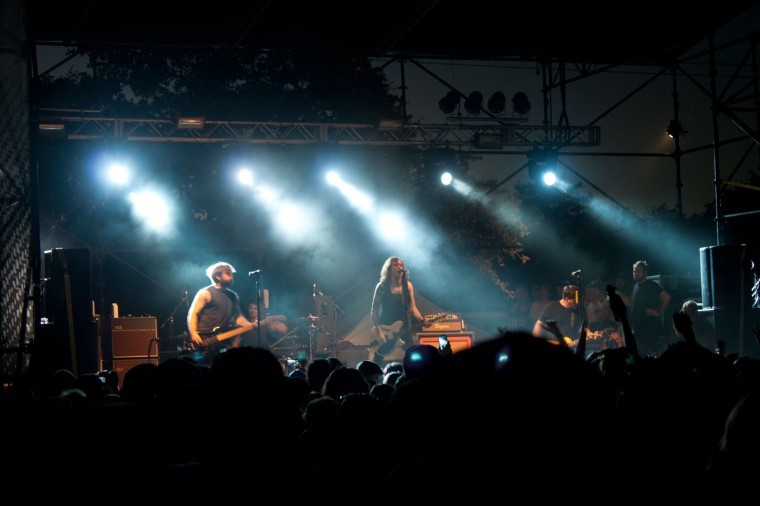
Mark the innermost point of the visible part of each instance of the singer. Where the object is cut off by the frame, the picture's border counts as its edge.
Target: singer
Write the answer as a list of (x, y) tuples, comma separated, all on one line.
[(393, 312), (216, 307), (564, 312)]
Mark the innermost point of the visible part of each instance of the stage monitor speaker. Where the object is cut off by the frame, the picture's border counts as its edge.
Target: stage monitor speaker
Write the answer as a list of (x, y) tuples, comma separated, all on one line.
[(459, 341), (122, 365), (131, 337)]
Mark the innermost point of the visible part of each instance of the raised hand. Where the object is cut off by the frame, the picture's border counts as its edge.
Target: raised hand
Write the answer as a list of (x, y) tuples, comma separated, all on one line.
[(616, 303), (621, 314)]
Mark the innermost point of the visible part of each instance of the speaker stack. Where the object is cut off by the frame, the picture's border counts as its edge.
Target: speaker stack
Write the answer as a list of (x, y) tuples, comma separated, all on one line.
[(68, 334), (129, 342), (727, 294)]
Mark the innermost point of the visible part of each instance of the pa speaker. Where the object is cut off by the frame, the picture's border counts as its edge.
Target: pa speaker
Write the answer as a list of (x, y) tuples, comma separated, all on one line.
[(726, 276), (459, 341), (69, 337)]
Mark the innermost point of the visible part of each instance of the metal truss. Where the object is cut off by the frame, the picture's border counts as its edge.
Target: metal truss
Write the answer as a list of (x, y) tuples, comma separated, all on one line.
[(465, 137)]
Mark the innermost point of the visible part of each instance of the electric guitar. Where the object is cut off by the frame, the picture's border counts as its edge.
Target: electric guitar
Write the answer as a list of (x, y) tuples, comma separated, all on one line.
[(601, 339), (395, 337)]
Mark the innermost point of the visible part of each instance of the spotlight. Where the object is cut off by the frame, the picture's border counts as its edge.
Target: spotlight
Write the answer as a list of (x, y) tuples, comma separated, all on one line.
[(474, 102), (542, 166), (450, 102), (520, 104), (118, 174), (446, 178), (550, 178), (676, 129), (497, 103)]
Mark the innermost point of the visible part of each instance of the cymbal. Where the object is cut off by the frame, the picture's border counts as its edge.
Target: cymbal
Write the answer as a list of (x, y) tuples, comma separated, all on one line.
[(312, 318)]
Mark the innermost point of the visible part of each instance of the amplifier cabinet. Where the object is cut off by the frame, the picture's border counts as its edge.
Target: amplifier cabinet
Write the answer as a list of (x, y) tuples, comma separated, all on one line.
[(121, 366), (458, 340), (131, 337)]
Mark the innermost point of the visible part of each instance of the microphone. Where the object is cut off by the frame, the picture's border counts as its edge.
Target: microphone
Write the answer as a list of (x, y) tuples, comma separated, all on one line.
[(251, 273), (575, 273)]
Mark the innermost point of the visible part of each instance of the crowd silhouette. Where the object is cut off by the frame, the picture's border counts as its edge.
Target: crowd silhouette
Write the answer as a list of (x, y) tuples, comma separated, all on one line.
[(514, 416)]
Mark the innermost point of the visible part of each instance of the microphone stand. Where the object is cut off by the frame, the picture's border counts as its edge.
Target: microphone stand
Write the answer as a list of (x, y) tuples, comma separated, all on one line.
[(579, 301), (258, 305), (170, 318)]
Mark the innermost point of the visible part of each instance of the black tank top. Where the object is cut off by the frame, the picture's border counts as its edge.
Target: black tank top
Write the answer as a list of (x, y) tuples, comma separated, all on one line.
[(393, 308), (219, 312)]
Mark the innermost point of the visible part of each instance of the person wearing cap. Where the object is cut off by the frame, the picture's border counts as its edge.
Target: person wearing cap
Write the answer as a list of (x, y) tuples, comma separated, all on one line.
[(214, 319), (564, 312), (602, 331)]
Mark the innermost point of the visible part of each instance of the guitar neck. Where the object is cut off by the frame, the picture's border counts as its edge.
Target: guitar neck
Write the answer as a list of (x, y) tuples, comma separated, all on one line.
[(218, 338)]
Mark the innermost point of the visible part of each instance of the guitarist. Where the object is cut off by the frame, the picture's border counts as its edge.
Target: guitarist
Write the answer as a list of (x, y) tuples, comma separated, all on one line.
[(216, 307), (564, 312), (393, 310)]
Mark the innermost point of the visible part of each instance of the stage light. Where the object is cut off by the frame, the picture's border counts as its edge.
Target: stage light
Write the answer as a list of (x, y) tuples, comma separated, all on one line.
[(474, 103), (333, 178), (542, 166), (520, 104), (449, 103), (118, 174), (390, 125), (446, 178), (550, 178), (51, 127), (191, 123), (497, 103), (676, 129), (245, 177)]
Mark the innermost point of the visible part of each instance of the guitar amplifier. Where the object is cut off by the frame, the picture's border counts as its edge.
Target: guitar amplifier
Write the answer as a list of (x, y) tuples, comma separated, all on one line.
[(443, 326), (131, 337), (458, 340), (442, 322)]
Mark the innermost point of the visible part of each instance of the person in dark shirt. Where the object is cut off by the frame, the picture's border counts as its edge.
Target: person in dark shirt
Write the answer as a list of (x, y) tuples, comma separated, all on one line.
[(564, 312), (393, 310), (648, 304), (214, 319)]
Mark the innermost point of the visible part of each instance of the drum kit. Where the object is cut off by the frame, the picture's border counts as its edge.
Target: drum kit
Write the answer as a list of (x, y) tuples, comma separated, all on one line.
[(303, 342)]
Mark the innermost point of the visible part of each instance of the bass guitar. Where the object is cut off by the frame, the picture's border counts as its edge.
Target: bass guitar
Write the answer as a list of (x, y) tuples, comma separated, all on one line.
[(218, 335)]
